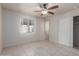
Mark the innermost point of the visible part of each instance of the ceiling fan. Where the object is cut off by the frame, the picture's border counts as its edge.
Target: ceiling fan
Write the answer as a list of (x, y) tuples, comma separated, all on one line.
[(45, 9)]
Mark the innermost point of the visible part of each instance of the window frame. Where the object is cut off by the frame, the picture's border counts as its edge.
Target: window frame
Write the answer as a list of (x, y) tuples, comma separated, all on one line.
[(28, 24)]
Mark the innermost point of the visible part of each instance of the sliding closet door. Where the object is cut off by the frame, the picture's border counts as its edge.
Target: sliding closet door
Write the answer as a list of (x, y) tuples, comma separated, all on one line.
[(76, 32), (75, 35)]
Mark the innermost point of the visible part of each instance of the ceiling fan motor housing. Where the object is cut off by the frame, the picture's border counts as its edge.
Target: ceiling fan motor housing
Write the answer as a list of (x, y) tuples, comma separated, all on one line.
[(43, 5)]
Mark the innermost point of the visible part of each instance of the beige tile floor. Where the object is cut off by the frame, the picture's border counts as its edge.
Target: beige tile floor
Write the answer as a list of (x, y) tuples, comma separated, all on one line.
[(40, 48)]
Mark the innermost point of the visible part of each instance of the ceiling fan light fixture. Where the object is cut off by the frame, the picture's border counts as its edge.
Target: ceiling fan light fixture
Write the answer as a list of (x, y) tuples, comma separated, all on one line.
[(44, 12)]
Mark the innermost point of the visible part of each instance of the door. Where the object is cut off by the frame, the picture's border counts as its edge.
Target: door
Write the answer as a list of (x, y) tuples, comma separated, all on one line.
[(76, 32)]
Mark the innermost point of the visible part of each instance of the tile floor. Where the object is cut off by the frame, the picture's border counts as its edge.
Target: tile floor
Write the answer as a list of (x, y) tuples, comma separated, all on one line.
[(40, 48)]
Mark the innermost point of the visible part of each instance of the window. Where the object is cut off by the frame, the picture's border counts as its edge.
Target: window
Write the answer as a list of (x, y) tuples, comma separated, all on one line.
[(27, 25), (31, 26)]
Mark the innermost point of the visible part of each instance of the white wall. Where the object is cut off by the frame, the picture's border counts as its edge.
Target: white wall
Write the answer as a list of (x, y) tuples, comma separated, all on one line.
[(46, 26), (0, 29), (53, 29), (61, 27), (11, 29)]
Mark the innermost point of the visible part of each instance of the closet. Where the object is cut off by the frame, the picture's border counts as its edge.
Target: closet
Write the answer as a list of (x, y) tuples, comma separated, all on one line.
[(76, 31)]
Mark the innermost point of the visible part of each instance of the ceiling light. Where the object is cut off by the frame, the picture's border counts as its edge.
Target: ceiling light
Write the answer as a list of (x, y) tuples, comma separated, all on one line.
[(44, 12)]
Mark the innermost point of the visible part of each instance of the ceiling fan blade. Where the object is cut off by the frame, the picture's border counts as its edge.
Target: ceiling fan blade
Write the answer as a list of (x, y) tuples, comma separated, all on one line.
[(50, 12), (37, 11), (53, 7)]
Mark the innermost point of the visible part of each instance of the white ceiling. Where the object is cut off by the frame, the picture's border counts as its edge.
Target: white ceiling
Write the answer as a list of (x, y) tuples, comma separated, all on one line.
[(29, 8)]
